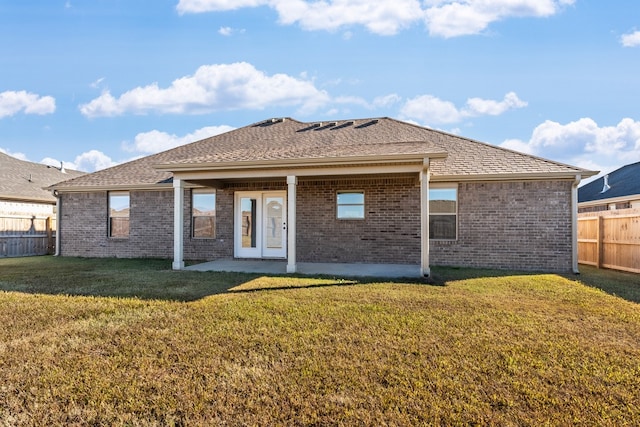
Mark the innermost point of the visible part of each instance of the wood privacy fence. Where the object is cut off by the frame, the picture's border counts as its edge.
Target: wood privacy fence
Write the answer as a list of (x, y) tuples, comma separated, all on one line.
[(26, 235), (610, 239)]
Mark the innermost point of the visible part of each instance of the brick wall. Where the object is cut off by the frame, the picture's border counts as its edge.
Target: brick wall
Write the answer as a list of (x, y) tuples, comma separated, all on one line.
[(512, 225), (84, 226), (389, 233), (517, 225)]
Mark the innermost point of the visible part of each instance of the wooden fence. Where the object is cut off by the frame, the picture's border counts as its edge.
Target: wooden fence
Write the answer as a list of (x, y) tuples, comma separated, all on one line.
[(26, 236), (610, 239)]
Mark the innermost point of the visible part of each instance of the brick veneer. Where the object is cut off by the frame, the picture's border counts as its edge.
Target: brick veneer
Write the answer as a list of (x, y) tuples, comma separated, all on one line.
[(389, 233), (511, 225), (83, 228), (520, 225)]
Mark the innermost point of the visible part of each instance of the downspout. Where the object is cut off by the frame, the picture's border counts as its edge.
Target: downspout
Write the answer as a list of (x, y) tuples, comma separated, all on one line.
[(574, 224), (58, 215)]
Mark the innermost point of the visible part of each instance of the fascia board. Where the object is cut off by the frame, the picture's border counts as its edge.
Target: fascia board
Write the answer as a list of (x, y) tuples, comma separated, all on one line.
[(300, 163), (508, 177), (94, 188), (610, 200)]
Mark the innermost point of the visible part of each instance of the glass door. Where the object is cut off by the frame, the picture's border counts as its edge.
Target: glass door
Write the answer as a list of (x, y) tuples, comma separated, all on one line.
[(260, 225)]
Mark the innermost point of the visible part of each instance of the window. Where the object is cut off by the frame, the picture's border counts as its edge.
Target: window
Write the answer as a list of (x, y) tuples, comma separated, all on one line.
[(203, 214), (350, 205), (119, 214), (443, 213)]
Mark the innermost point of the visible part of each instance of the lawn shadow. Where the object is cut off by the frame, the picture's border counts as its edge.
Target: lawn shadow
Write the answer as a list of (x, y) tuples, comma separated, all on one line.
[(617, 283), (150, 279)]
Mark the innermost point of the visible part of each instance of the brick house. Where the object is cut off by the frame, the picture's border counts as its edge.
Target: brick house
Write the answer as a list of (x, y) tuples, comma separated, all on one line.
[(619, 189), (367, 191), (26, 206)]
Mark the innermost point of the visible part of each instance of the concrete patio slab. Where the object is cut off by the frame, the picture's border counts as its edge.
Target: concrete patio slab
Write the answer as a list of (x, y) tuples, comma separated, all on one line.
[(329, 269)]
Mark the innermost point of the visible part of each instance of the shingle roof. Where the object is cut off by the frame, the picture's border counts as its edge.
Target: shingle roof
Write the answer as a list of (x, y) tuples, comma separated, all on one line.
[(26, 181), (288, 139), (622, 182)]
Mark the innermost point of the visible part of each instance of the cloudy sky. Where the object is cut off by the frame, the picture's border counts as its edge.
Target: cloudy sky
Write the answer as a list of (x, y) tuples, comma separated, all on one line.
[(94, 83)]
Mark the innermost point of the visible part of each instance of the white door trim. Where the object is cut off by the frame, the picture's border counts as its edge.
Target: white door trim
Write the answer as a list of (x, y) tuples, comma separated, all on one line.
[(259, 222)]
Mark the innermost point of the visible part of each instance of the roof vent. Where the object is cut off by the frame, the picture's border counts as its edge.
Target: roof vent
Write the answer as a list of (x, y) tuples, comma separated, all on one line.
[(269, 122), (606, 187), (343, 125), (367, 124), (312, 126), (326, 126)]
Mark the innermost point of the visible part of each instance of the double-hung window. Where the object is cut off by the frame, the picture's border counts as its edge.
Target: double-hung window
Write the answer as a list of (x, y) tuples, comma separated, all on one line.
[(119, 214), (350, 205), (443, 212), (203, 213)]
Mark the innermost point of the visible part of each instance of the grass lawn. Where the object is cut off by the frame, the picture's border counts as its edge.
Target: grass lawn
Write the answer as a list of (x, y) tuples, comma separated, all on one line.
[(129, 342)]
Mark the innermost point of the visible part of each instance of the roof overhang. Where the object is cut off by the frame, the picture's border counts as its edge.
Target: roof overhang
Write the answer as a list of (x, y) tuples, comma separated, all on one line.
[(546, 176), (7, 198), (351, 165), (123, 187), (630, 197), (328, 162)]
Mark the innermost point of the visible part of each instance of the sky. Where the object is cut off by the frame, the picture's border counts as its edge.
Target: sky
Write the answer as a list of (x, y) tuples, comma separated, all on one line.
[(94, 83)]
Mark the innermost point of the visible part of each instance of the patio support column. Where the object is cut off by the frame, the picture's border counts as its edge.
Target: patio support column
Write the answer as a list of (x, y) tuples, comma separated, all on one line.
[(425, 271), (292, 182), (178, 224)]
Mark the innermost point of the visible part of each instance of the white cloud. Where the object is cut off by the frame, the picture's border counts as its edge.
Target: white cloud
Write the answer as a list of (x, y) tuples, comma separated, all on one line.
[(228, 31), (213, 88), (432, 110), (12, 102), (478, 106), (386, 101), (89, 161), (199, 6), (155, 141), (631, 39), (452, 18), (14, 154), (584, 143), (444, 18), (96, 84)]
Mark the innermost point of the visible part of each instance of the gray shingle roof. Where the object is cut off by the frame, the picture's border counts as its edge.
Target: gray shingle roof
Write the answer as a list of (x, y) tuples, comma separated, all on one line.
[(290, 139), (26, 181), (622, 182)]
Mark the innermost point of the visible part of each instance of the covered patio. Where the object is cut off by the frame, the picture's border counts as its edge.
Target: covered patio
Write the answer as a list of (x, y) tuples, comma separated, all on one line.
[(278, 267)]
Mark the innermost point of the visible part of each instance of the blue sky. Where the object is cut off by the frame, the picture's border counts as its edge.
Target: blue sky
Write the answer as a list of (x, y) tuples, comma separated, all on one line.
[(98, 82)]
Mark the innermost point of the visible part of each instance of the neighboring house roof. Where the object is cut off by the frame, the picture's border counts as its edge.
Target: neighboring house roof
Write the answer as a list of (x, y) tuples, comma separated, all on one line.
[(284, 141), (622, 182), (26, 181)]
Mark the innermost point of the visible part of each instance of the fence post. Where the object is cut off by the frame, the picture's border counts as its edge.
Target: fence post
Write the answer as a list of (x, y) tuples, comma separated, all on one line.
[(600, 238), (49, 235)]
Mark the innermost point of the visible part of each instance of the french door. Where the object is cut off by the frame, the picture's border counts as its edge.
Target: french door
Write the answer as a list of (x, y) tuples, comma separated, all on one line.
[(260, 227)]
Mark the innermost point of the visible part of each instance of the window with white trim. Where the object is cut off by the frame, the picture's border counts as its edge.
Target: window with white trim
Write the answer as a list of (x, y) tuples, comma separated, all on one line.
[(119, 214), (350, 205), (443, 212), (203, 213)]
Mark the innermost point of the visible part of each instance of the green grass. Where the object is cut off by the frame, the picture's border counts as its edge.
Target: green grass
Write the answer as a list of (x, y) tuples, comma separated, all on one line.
[(129, 342)]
